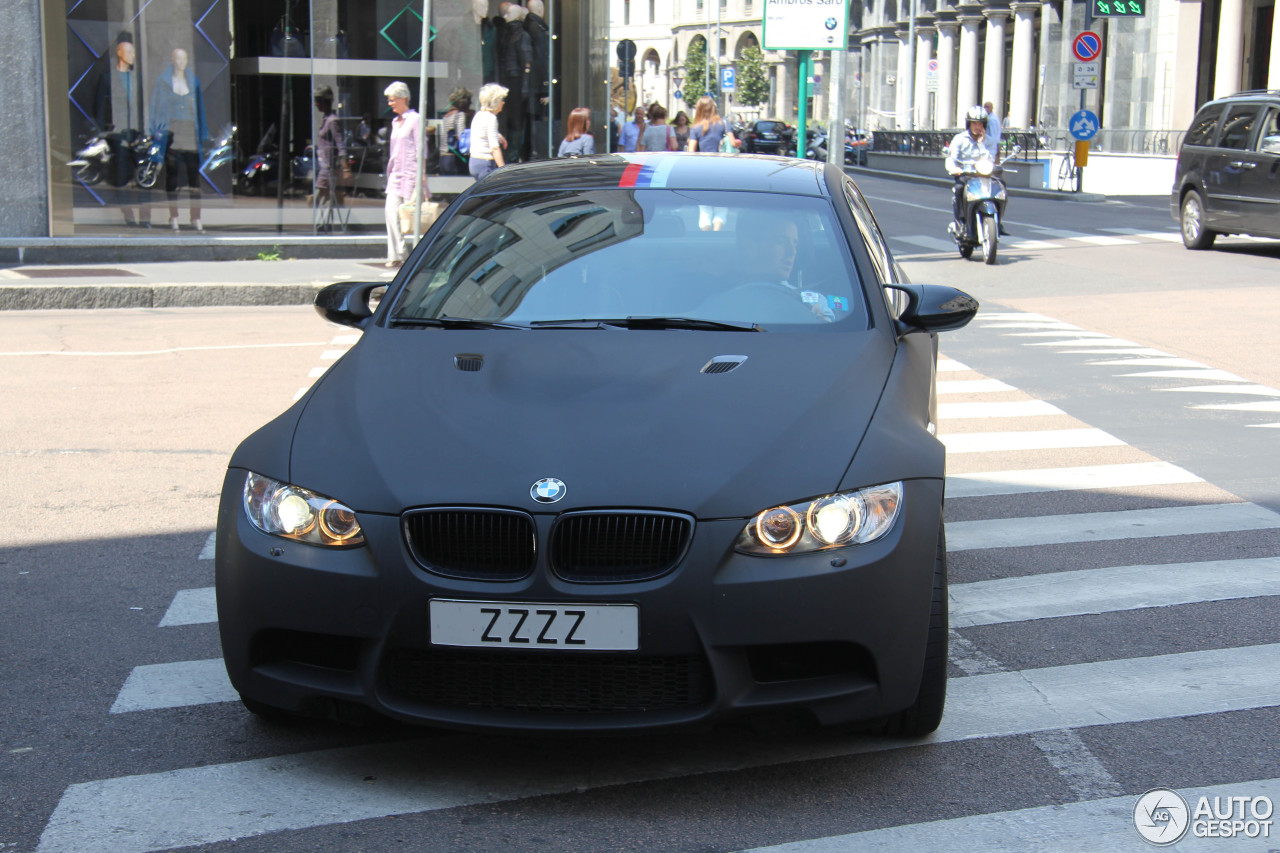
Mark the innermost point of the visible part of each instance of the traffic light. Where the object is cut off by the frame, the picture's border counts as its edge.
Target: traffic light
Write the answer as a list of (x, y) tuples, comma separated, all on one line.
[(1119, 8), (626, 58)]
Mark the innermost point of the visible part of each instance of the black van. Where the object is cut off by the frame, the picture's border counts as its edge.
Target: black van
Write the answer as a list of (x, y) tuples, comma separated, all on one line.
[(1228, 176)]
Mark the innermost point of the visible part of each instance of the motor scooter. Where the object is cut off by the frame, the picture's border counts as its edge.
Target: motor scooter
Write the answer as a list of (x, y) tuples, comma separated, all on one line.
[(93, 161), (982, 207), (151, 161)]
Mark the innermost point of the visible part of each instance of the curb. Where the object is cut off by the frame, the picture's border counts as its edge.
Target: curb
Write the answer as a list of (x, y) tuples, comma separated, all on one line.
[(22, 297), (122, 250)]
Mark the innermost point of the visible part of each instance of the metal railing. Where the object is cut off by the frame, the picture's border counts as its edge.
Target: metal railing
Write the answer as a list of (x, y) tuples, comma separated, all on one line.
[(1035, 143)]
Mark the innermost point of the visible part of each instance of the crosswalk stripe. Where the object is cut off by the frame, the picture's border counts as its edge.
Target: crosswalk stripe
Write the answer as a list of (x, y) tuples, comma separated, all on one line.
[(1063, 333), (1102, 824), (1056, 233), (1190, 373), (935, 243), (1040, 324), (191, 607), (175, 685), (207, 552), (1053, 439), (973, 386), (1105, 526), (1019, 409), (1060, 479), (950, 365), (1148, 362), (1103, 240), (1111, 589), (1258, 406), (1022, 243), (205, 805), (1256, 390), (1168, 236), (1103, 343)]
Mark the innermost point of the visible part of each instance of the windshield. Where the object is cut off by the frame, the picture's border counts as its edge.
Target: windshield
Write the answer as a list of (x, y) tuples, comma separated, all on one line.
[(736, 258)]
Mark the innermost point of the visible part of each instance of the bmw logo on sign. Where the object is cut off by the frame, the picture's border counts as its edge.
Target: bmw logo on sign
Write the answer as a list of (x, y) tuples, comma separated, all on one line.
[(548, 490), (832, 23)]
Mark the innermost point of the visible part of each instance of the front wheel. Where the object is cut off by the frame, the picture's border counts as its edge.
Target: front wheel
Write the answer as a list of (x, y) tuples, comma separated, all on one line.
[(990, 236), (147, 174), (1194, 233), (925, 714)]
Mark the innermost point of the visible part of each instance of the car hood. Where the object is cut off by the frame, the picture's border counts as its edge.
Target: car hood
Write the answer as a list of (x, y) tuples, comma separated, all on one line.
[(623, 418)]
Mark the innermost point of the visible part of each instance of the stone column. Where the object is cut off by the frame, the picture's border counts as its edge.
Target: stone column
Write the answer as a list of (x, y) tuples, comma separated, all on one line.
[(967, 82), (947, 32), (1226, 75), (1273, 70), (924, 52), (1022, 78), (783, 91), (902, 90), (993, 59)]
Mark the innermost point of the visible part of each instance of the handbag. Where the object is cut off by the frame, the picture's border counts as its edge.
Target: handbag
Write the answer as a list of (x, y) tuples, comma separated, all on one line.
[(430, 210), (726, 144)]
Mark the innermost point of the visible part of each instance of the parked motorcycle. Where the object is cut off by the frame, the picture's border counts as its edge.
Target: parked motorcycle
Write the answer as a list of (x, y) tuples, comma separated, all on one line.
[(983, 201), (93, 161), (153, 148), (262, 170), (855, 146)]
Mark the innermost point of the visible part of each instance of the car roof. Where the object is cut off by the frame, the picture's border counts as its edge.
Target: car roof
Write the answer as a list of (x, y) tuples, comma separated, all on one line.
[(1269, 95), (743, 172)]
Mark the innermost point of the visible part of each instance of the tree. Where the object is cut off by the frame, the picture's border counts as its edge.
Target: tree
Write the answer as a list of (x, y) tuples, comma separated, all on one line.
[(695, 73), (752, 81)]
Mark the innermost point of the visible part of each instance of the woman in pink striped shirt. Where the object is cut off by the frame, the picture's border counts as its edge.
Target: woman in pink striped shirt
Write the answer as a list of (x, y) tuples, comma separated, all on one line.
[(402, 168)]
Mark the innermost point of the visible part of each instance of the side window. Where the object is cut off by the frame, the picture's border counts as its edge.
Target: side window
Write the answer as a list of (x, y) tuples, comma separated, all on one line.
[(1269, 136), (1206, 121), (1237, 129), (876, 246)]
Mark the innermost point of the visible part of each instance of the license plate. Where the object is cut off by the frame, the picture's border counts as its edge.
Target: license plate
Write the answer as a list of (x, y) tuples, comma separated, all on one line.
[(535, 625)]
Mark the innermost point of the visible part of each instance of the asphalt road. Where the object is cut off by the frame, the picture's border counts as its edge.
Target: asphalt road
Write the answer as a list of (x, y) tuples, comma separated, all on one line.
[(1114, 559)]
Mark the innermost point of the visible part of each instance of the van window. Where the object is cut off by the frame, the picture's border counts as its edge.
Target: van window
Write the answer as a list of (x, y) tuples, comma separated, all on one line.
[(1201, 132), (1269, 136), (1238, 127)]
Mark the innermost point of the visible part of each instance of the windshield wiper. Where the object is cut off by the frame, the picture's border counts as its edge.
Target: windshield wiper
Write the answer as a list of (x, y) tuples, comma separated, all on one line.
[(453, 323), (649, 323)]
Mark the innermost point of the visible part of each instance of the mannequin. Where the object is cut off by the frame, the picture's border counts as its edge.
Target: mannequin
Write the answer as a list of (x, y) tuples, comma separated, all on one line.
[(118, 114), (515, 64), (488, 40), (177, 108), (538, 95)]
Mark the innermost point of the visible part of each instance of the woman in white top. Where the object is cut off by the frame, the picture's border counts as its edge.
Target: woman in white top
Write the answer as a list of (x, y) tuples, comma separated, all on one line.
[(486, 142)]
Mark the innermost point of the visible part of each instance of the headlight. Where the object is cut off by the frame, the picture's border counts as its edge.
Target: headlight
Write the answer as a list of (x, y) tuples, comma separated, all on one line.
[(831, 521), (294, 513)]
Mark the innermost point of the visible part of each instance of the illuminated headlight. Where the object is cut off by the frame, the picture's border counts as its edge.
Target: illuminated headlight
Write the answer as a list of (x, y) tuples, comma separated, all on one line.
[(831, 521), (984, 167), (294, 513)]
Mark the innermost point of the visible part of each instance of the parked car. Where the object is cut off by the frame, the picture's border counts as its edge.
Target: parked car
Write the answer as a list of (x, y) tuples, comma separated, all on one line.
[(1225, 181), (769, 136), (549, 489)]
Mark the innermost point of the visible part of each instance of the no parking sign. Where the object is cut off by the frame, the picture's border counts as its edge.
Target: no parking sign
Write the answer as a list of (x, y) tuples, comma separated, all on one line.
[(1087, 46)]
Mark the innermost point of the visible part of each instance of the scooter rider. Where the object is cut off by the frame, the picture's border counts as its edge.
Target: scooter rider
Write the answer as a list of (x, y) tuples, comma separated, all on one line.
[(965, 150)]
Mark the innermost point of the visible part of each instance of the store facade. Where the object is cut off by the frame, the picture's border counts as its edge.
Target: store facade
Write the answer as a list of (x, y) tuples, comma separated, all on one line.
[(202, 116)]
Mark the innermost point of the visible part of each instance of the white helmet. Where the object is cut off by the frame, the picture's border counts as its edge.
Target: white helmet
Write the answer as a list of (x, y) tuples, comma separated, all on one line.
[(975, 114)]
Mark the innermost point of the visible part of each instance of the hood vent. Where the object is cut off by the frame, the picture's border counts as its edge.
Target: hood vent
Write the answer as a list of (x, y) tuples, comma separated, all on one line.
[(723, 363), (469, 362)]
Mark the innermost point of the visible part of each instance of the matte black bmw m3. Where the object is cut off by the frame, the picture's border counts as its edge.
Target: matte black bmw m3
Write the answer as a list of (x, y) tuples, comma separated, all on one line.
[(630, 442)]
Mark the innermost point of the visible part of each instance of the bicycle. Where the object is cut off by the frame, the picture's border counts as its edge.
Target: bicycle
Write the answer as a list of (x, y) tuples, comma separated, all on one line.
[(1067, 172)]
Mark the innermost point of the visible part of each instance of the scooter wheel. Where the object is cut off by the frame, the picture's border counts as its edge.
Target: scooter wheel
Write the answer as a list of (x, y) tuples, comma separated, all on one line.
[(147, 174)]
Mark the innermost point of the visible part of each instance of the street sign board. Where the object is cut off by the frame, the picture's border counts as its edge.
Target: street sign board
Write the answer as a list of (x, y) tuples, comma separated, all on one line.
[(1087, 46), (1083, 124), (806, 24), (1085, 75), (1119, 8), (728, 78)]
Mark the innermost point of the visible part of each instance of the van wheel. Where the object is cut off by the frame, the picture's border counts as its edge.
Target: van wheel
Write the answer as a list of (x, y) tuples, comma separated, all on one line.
[(1194, 233), (925, 714)]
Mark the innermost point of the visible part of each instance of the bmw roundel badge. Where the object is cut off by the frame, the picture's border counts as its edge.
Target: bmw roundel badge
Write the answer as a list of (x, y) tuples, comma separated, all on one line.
[(548, 490)]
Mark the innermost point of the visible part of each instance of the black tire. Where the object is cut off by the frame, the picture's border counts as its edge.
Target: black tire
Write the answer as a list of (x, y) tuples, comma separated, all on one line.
[(990, 233), (147, 174), (925, 714), (88, 174), (1194, 233)]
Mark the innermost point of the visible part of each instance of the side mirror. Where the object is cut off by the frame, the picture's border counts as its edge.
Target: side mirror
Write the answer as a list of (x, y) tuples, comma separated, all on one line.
[(1015, 152), (347, 302), (1270, 145), (935, 307)]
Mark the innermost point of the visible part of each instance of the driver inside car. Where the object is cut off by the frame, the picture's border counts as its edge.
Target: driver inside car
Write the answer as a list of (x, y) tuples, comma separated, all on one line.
[(767, 247)]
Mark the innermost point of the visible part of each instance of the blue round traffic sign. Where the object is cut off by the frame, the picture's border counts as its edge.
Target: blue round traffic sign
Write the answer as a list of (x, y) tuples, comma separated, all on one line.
[(1087, 46), (1083, 125)]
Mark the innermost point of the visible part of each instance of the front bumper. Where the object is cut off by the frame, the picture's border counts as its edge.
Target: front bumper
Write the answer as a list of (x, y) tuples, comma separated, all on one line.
[(839, 634)]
